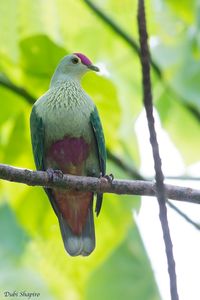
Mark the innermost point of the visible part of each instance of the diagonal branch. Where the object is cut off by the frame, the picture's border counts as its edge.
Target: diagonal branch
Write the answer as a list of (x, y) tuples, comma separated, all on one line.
[(5, 82), (116, 28), (183, 215), (160, 188), (93, 184), (133, 44), (129, 170)]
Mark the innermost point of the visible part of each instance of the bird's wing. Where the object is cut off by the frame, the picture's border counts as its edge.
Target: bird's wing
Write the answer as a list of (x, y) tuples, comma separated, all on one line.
[(100, 141), (37, 138)]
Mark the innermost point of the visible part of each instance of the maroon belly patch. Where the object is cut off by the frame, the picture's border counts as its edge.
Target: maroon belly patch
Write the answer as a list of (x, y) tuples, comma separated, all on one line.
[(69, 155), (69, 150)]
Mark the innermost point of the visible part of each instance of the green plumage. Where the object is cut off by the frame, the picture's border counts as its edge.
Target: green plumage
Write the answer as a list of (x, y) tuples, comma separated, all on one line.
[(98, 132), (37, 137)]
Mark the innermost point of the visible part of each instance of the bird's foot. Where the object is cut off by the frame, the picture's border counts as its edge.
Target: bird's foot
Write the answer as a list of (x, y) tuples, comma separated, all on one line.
[(51, 173), (59, 173), (109, 178)]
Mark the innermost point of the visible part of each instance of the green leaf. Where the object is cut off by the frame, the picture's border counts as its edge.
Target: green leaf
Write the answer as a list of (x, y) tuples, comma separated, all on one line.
[(11, 105), (15, 145), (181, 125), (132, 276), (13, 236), (39, 57), (23, 283), (104, 94), (184, 9), (38, 223), (186, 84), (8, 25)]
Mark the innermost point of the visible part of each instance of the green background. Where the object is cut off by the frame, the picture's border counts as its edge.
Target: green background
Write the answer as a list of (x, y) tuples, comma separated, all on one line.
[(34, 36)]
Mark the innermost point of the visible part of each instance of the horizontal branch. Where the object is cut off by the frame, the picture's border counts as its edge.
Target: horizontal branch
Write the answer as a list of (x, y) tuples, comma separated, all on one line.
[(98, 185)]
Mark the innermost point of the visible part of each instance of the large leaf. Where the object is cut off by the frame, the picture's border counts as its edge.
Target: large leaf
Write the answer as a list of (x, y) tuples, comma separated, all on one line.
[(39, 57), (15, 145), (11, 105), (13, 237), (14, 274), (184, 9), (132, 276), (104, 93), (41, 221), (181, 125)]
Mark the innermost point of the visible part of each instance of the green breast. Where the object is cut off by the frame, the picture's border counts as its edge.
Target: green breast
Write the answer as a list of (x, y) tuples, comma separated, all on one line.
[(65, 111)]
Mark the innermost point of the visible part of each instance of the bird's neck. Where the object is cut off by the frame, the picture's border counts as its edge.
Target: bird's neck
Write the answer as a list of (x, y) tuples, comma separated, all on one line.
[(66, 91), (60, 78)]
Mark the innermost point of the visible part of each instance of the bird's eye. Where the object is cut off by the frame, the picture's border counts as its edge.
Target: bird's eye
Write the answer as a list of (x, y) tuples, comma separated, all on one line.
[(75, 60)]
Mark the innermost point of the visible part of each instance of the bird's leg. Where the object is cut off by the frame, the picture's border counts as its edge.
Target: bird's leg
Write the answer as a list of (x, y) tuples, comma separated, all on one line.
[(109, 177), (51, 172)]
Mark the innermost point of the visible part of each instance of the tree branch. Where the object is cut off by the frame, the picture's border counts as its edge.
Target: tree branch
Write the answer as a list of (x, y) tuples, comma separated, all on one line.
[(5, 82), (132, 172), (160, 188), (183, 215), (93, 184)]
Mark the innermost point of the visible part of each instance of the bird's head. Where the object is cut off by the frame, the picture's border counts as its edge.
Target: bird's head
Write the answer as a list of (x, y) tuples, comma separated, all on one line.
[(74, 66)]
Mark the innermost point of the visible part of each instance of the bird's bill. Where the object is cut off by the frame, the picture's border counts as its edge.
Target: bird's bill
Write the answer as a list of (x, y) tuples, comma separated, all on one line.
[(93, 68)]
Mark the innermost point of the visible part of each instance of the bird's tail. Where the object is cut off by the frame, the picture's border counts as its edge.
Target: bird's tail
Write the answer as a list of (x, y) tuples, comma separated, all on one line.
[(83, 243)]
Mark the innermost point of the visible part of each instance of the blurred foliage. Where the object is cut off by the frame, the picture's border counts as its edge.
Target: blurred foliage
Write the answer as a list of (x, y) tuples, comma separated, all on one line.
[(34, 36)]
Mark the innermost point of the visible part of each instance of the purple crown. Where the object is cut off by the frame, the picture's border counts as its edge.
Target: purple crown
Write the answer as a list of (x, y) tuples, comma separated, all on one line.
[(84, 59)]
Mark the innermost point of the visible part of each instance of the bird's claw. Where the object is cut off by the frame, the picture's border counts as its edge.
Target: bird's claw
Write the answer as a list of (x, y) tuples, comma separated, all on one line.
[(58, 173), (109, 178), (52, 172)]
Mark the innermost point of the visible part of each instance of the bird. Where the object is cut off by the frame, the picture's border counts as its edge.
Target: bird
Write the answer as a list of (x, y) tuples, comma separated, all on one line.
[(67, 136)]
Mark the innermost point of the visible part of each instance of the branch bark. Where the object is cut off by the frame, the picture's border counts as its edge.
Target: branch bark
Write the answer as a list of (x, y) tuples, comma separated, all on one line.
[(5, 82), (93, 184)]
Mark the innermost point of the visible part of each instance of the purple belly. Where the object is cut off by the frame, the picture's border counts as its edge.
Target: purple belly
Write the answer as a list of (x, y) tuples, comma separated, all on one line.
[(68, 153)]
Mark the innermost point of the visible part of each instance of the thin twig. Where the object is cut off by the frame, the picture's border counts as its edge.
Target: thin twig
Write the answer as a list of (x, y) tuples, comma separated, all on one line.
[(183, 215), (160, 188), (129, 170), (4, 81), (183, 177), (93, 184)]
